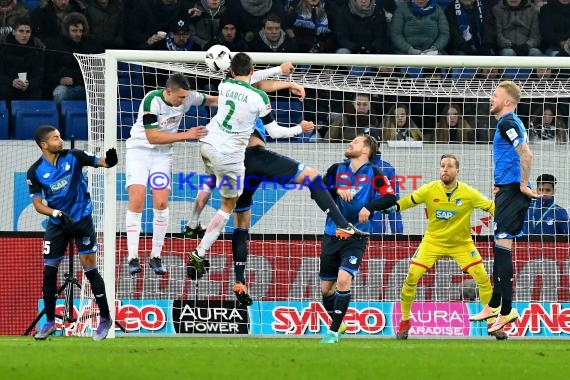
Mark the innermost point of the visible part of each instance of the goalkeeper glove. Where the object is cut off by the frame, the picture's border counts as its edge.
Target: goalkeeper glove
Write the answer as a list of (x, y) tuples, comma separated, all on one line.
[(65, 220), (111, 157), (390, 210)]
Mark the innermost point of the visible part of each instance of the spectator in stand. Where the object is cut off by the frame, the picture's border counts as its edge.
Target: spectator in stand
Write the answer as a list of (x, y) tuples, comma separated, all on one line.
[(206, 15), (64, 76), (356, 120), (311, 27), (419, 27), (148, 21), (399, 126), (452, 127), (545, 217), (106, 21), (272, 38), (177, 38), (545, 126), (251, 14), (554, 21), (21, 62), (48, 18), (361, 28), (229, 35), (9, 10), (470, 31), (517, 27)]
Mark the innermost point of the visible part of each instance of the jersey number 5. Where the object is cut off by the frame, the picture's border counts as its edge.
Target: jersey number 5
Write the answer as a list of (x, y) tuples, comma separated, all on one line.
[(46, 247), (226, 123)]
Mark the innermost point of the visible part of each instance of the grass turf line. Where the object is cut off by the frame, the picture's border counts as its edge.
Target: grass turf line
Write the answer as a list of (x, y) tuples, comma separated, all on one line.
[(267, 358)]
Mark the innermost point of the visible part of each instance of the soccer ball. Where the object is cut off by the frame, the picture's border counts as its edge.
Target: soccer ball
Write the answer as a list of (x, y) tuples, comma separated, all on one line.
[(218, 58)]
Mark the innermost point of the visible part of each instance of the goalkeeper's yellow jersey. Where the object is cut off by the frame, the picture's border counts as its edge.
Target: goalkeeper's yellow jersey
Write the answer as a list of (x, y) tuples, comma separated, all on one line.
[(449, 215)]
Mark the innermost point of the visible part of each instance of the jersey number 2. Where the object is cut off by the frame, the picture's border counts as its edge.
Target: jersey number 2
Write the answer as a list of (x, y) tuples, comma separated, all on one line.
[(226, 123)]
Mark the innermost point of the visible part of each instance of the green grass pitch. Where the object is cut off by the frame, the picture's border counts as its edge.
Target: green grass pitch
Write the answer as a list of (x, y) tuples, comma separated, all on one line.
[(286, 358)]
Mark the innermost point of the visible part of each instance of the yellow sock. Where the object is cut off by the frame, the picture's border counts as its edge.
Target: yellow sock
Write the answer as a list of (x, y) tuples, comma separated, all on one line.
[(481, 277), (408, 294)]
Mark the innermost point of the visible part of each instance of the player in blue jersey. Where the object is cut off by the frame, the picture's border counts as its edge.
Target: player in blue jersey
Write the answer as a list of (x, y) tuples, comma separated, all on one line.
[(355, 186), (544, 216), (512, 160), (57, 178)]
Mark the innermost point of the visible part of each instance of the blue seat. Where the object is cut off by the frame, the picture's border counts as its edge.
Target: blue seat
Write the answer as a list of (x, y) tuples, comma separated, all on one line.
[(4, 132), (31, 4), (463, 73), (74, 119), (195, 116), (287, 113), (517, 74), (412, 72), (130, 77), (127, 111), (27, 115)]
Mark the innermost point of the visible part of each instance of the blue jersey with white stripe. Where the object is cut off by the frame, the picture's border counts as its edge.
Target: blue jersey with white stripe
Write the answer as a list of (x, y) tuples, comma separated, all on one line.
[(509, 134), (63, 185), (366, 184)]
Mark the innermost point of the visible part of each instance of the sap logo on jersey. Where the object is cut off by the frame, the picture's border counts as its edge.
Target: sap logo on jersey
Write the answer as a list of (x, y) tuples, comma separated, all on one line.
[(62, 183), (444, 214)]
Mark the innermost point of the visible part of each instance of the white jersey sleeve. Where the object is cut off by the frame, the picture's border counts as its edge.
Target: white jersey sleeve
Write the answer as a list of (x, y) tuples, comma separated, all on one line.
[(260, 75), (195, 99)]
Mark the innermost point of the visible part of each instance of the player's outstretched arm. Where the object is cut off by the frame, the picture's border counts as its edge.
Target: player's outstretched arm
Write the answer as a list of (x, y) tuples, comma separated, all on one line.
[(154, 136), (277, 132), (276, 85), (284, 68), (109, 160)]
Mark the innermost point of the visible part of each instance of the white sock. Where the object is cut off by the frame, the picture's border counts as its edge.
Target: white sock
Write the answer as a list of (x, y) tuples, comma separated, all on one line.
[(215, 227), (194, 217), (133, 222), (159, 227), (197, 211)]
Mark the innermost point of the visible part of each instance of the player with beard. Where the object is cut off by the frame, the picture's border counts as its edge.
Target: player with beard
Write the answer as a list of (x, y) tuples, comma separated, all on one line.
[(449, 205)]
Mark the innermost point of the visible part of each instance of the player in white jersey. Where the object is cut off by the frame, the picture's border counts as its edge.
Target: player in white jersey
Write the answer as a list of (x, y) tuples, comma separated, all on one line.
[(149, 159), (223, 150)]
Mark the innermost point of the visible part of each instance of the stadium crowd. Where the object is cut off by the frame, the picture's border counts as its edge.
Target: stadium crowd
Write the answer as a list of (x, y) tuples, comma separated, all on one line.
[(38, 37)]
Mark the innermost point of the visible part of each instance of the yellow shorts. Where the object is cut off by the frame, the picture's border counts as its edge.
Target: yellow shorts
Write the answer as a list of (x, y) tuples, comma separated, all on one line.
[(428, 254)]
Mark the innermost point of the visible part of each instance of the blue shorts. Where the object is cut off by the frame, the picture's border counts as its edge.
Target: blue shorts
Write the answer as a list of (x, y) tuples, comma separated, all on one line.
[(339, 254), (56, 240), (510, 211)]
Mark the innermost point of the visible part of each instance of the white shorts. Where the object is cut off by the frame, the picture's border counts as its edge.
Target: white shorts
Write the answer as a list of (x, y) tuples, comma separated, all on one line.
[(148, 167), (229, 175)]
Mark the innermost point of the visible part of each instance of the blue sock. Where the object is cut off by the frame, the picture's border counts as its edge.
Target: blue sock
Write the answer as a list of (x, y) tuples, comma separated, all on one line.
[(504, 277), (341, 302), (98, 289), (239, 251)]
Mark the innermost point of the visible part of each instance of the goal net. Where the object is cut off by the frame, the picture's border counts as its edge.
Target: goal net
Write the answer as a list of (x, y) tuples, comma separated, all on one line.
[(418, 111)]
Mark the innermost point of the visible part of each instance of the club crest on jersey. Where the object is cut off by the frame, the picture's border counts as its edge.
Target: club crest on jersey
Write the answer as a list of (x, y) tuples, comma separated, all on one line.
[(67, 166), (444, 214), (458, 202), (353, 260), (86, 240)]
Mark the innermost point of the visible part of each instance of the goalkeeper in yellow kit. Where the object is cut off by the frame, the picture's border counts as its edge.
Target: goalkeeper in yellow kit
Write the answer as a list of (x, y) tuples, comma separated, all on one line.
[(449, 206)]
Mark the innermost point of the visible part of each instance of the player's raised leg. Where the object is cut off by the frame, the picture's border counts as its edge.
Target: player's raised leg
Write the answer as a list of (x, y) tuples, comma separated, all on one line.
[(193, 228), (319, 193)]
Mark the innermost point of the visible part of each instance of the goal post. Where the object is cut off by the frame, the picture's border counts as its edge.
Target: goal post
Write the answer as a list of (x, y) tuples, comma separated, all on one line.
[(286, 225)]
